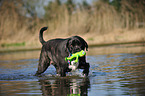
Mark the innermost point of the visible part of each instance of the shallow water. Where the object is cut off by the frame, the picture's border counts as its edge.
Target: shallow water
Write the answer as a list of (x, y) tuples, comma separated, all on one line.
[(112, 74)]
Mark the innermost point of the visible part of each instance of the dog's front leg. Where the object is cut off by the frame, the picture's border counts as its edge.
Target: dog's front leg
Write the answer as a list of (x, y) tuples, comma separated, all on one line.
[(86, 69), (84, 65)]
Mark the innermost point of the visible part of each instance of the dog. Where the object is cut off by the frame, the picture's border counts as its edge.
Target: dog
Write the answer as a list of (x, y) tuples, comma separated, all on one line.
[(54, 52)]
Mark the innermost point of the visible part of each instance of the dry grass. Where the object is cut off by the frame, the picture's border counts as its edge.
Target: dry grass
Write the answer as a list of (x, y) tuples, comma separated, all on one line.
[(99, 24)]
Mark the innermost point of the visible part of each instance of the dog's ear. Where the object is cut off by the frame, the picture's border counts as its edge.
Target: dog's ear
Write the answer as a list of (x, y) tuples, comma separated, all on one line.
[(86, 45)]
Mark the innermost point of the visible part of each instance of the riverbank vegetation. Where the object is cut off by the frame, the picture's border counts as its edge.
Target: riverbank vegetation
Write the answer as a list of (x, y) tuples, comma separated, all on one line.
[(102, 21)]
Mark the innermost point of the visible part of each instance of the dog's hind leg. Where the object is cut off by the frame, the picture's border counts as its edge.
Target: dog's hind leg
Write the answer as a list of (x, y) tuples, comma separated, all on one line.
[(61, 70), (44, 62)]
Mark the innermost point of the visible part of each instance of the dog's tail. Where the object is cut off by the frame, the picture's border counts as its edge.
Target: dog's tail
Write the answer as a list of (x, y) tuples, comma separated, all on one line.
[(41, 35)]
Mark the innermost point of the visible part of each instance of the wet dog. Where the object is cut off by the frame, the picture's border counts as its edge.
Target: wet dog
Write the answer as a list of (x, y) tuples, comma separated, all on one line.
[(54, 52)]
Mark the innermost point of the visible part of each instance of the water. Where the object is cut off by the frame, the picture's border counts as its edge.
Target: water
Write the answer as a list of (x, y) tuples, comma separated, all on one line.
[(119, 73)]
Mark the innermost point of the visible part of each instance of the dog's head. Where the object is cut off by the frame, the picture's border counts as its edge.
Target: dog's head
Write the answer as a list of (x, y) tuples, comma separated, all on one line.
[(76, 44)]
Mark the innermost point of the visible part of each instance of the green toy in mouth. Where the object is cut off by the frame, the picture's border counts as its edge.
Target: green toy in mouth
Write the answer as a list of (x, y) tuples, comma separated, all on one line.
[(74, 63)]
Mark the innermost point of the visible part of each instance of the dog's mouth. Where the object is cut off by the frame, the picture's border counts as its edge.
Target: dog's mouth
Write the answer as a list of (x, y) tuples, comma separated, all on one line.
[(76, 59), (73, 66)]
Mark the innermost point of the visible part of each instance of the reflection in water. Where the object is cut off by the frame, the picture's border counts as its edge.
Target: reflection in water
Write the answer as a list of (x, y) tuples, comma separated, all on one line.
[(133, 68), (65, 87), (123, 71)]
